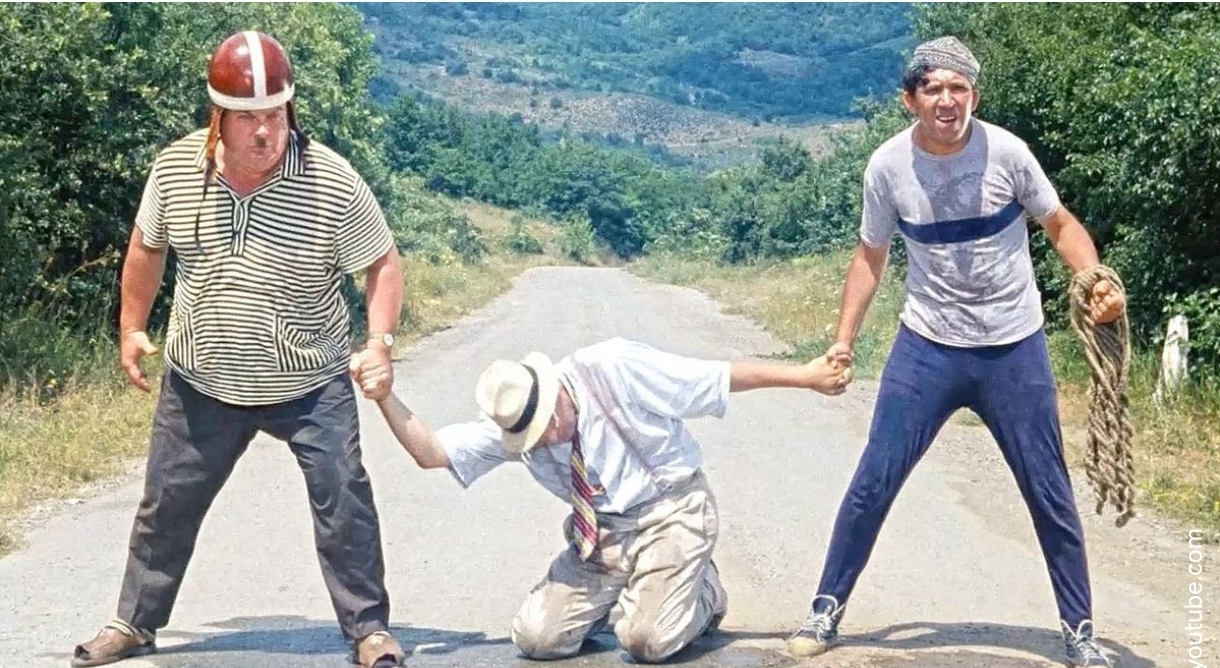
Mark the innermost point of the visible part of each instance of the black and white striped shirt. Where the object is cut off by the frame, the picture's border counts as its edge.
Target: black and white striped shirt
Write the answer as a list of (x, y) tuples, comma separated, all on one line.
[(257, 316)]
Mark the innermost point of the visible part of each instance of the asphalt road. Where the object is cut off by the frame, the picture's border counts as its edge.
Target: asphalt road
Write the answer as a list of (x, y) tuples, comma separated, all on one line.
[(956, 579)]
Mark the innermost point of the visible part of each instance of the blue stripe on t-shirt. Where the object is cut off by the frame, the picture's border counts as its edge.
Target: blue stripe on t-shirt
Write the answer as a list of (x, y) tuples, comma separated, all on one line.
[(966, 229)]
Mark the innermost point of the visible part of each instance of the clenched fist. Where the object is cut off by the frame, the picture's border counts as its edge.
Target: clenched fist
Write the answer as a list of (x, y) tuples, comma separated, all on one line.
[(839, 353), (373, 372), (1106, 302), (826, 376)]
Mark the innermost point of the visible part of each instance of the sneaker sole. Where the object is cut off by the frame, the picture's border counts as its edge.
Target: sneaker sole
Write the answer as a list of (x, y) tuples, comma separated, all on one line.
[(805, 647), (1071, 663)]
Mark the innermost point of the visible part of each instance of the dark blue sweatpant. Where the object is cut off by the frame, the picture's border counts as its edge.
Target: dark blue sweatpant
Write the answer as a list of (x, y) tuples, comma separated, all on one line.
[(1012, 389)]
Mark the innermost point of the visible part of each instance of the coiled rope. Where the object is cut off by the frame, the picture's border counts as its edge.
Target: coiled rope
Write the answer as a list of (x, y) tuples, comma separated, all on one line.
[(1109, 463)]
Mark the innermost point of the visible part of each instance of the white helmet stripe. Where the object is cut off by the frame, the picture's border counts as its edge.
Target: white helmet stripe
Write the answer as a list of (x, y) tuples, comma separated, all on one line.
[(258, 66), (250, 103)]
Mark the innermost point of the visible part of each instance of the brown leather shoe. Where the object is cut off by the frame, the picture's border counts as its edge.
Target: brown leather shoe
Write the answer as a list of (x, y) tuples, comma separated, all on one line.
[(378, 649), (116, 641)]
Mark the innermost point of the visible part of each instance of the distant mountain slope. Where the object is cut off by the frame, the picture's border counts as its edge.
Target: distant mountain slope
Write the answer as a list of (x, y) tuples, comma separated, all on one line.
[(706, 140), (760, 62)]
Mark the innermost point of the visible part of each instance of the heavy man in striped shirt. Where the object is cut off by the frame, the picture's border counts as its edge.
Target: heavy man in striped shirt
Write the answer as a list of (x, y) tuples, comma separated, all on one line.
[(264, 223), (604, 429)]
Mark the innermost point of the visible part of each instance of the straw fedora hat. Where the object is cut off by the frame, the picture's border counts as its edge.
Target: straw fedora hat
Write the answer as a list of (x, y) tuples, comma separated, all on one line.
[(520, 398)]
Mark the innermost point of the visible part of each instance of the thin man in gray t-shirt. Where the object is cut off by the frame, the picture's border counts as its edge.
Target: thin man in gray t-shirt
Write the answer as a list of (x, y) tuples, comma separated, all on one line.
[(972, 335), (970, 279)]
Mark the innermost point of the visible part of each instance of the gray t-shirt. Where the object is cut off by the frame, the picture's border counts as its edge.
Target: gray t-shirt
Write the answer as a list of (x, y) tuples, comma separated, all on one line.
[(970, 279)]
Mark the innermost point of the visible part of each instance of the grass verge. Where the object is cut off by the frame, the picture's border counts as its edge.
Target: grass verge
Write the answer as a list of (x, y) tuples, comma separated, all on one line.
[(1176, 447)]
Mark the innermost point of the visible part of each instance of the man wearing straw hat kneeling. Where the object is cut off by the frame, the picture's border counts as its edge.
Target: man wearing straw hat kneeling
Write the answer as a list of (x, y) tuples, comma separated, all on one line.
[(603, 430)]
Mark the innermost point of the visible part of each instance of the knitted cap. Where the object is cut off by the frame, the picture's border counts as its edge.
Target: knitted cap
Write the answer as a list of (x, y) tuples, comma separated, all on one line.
[(947, 53)]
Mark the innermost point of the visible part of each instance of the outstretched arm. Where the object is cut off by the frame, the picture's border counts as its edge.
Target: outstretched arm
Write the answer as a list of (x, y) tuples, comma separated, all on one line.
[(863, 276), (818, 375), (416, 437)]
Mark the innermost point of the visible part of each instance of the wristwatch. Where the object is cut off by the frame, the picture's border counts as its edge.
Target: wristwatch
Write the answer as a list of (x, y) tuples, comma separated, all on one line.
[(386, 339)]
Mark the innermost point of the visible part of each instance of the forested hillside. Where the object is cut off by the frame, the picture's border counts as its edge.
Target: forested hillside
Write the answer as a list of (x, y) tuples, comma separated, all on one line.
[(709, 84), (795, 61)]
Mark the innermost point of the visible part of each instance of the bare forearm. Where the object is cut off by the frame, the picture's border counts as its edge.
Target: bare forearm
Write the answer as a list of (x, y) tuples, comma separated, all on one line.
[(1075, 246), (384, 293), (143, 270), (750, 375), (863, 276), (1070, 239), (416, 437)]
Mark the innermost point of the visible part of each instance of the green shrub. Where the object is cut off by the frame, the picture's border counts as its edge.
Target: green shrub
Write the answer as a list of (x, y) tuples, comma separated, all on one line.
[(1202, 312), (520, 240), (578, 241)]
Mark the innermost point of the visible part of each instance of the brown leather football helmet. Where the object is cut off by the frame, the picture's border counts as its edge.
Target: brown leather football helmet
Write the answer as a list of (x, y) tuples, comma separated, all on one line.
[(250, 70)]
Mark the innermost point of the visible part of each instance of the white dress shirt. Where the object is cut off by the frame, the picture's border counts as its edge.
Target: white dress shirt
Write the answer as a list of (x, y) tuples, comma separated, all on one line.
[(632, 400)]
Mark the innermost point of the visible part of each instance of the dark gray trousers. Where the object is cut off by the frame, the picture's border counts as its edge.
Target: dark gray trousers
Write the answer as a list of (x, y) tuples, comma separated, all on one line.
[(196, 442)]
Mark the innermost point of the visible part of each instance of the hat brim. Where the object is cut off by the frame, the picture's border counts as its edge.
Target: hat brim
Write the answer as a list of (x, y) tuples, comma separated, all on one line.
[(548, 392)]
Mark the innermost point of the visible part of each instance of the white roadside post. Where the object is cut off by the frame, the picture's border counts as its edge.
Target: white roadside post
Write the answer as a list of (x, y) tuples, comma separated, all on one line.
[(1173, 360)]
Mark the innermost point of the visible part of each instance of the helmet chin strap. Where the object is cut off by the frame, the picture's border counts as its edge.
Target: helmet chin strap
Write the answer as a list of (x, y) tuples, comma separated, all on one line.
[(209, 164), (209, 151), (295, 126)]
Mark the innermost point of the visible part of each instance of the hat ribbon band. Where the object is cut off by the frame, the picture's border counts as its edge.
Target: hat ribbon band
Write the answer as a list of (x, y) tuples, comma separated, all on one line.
[(531, 404)]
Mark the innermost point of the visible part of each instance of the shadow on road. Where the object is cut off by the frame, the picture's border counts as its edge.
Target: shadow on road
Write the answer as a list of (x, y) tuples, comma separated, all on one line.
[(298, 635), (309, 640), (709, 650), (929, 636), (923, 644)]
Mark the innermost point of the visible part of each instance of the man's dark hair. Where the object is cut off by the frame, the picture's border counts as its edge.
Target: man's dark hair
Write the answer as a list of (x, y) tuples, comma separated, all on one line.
[(915, 77)]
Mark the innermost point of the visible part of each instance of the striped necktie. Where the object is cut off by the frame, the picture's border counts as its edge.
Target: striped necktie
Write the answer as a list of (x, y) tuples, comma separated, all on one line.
[(583, 518)]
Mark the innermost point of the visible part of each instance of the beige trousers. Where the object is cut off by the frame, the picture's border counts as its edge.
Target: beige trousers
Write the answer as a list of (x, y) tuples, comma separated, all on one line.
[(654, 565)]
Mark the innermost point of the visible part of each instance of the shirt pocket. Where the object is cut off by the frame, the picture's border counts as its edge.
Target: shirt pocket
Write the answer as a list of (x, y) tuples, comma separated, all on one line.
[(222, 333), (304, 346), (178, 340)]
